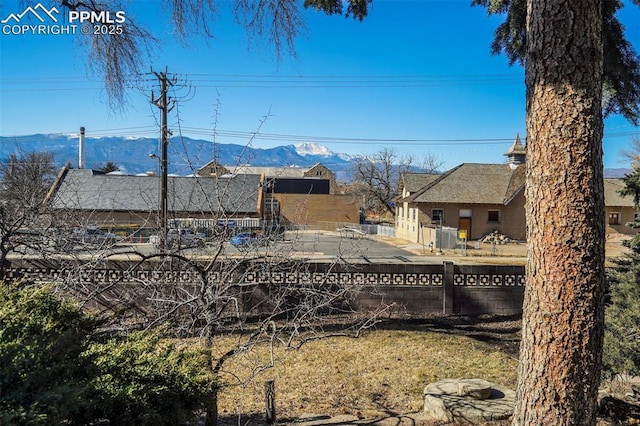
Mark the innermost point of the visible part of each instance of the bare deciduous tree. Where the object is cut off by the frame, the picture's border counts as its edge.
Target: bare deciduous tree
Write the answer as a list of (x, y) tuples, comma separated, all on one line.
[(377, 177), (25, 178), (632, 154)]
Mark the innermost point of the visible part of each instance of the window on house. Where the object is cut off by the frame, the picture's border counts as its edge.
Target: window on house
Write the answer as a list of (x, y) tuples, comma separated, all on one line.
[(437, 215), (272, 205), (614, 218), (413, 214), (400, 212), (493, 216)]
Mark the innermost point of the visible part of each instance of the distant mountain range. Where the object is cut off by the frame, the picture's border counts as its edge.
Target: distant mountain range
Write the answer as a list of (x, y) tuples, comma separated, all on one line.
[(185, 155), (616, 173)]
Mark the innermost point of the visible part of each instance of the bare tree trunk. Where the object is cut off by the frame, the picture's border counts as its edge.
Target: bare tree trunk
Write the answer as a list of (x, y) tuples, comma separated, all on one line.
[(560, 358), (211, 418)]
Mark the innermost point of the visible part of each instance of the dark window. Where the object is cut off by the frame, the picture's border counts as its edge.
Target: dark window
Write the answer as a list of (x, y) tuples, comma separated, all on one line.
[(614, 218), (437, 215), (494, 216)]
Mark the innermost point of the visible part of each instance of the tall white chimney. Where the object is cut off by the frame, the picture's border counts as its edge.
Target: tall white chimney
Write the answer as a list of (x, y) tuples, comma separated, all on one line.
[(81, 149)]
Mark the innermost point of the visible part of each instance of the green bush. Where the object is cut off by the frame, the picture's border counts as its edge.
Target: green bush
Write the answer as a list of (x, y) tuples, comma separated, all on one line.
[(621, 352), (144, 380), (56, 369), (44, 374)]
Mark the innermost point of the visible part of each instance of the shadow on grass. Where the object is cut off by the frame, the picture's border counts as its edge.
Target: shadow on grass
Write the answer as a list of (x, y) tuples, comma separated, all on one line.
[(391, 419), (502, 331), (259, 420)]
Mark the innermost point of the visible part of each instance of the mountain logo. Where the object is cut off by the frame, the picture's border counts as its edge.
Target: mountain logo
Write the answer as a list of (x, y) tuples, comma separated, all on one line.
[(38, 11)]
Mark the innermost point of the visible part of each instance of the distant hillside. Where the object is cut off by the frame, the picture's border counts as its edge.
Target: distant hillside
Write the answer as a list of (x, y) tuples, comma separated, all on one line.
[(186, 155), (616, 173)]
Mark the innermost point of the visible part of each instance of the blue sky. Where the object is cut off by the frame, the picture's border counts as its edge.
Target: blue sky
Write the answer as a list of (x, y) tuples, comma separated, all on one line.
[(416, 76)]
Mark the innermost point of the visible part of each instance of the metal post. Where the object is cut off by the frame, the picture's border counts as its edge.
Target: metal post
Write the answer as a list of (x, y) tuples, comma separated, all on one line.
[(440, 239)]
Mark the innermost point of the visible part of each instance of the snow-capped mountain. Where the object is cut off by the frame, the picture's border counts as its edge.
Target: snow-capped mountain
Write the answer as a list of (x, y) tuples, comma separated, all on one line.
[(185, 156), (311, 148)]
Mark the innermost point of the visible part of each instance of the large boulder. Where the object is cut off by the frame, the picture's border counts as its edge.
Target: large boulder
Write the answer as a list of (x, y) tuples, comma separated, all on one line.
[(467, 400)]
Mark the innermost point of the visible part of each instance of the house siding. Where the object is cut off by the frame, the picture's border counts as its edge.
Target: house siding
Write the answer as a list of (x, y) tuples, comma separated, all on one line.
[(514, 223), (309, 209), (511, 223), (626, 215)]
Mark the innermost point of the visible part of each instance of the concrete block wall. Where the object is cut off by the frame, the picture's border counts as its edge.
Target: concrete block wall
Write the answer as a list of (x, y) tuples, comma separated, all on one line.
[(415, 289)]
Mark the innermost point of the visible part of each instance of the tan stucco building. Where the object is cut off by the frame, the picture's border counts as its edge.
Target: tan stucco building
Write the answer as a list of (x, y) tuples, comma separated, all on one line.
[(481, 198)]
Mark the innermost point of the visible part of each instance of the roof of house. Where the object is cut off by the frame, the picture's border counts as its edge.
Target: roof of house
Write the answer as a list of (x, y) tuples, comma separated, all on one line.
[(471, 183), (82, 189), (269, 172), (413, 182), (612, 197)]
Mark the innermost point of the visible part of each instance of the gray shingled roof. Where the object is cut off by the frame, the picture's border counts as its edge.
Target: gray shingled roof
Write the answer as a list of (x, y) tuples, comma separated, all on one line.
[(490, 184), (612, 197), (413, 182), (473, 184), (80, 189), (270, 172)]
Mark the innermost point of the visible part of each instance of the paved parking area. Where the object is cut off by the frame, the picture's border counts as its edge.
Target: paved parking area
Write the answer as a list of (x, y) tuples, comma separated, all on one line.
[(315, 245)]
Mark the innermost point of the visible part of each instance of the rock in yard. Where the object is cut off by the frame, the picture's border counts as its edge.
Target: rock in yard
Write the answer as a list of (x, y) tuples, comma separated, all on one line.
[(469, 400)]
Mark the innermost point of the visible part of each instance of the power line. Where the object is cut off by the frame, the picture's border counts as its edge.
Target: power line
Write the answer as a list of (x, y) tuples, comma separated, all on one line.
[(276, 81)]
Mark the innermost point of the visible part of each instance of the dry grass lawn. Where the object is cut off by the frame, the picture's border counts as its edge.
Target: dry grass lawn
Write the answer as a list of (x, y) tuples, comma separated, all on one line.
[(381, 373)]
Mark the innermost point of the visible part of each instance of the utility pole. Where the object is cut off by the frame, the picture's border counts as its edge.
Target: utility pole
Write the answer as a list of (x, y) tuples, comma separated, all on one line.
[(162, 102)]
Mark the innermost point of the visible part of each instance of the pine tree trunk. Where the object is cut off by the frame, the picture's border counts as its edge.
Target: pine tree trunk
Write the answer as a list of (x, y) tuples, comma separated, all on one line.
[(560, 358)]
